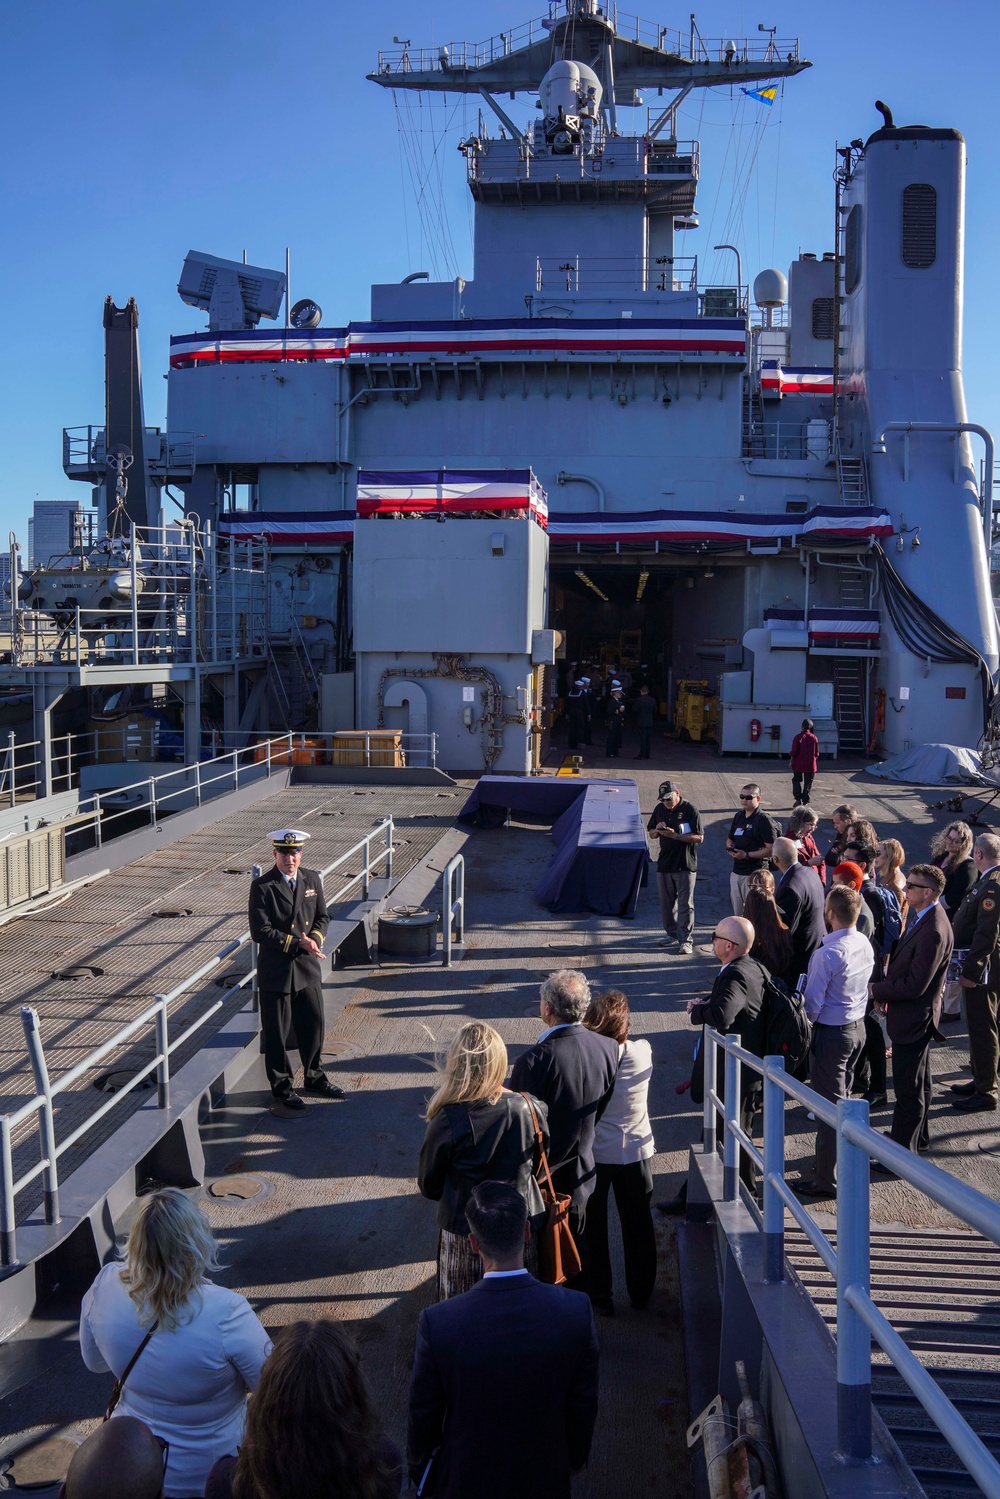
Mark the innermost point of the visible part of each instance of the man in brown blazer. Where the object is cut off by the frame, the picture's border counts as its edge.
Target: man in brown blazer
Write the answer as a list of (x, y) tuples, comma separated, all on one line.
[(910, 996)]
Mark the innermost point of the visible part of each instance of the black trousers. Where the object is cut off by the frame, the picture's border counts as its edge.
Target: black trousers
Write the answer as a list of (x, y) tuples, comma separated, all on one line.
[(802, 785), (299, 1014), (645, 743), (869, 1074), (981, 1018), (911, 1081), (614, 743), (633, 1187)]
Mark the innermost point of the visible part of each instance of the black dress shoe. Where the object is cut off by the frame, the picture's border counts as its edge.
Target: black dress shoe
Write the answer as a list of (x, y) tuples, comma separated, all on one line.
[(286, 1104), (603, 1308), (967, 1089), (978, 1103), (813, 1189), (674, 1206), (882, 1173), (877, 1100), (323, 1089)]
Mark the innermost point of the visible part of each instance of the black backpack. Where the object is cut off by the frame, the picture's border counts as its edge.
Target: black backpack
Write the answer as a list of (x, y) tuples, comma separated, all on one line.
[(787, 1029)]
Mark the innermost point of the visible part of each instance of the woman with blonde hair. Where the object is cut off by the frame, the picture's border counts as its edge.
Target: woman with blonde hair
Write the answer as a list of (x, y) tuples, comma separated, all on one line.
[(889, 869), (477, 1130), (951, 851), (200, 1347), (311, 1427)]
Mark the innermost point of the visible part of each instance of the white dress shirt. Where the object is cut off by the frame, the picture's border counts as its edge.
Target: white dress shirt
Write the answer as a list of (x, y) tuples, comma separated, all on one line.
[(836, 990), (190, 1383), (623, 1134)]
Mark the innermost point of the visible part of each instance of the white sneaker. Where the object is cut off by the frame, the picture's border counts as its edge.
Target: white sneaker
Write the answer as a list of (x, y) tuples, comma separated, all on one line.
[(687, 950)]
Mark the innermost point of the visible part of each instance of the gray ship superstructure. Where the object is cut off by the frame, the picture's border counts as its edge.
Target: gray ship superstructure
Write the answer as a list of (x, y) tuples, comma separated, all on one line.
[(584, 454)]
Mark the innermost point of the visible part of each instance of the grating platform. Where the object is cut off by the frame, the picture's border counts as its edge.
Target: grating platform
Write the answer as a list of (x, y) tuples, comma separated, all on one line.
[(119, 928)]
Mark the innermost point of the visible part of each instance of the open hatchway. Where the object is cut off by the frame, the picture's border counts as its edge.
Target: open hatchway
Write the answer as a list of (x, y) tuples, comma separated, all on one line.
[(689, 626)]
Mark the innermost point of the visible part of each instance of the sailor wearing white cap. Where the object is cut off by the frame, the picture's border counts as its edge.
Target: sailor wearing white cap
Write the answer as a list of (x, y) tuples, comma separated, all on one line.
[(615, 715), (288, 921), (576, 713), (589, 704)]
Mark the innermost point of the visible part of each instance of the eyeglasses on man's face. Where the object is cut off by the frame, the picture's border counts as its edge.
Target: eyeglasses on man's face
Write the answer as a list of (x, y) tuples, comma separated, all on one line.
[(718, 937), (748, 796), (912, 885)]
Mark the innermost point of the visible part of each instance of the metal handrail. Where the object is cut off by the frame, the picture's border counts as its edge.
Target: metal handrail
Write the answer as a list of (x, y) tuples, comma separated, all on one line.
[(46, 1091), (453, 906), (859, 1319)]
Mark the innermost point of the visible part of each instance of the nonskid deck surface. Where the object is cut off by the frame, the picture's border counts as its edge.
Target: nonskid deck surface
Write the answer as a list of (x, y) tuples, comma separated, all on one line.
[(339, 1229), (115, 927)]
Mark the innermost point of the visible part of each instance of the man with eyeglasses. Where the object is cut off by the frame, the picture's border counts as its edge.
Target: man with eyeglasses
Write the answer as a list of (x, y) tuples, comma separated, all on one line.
[(910, 997), (120, 1460), (677, 826), (734, 1005), (749, 841), (976, 925)]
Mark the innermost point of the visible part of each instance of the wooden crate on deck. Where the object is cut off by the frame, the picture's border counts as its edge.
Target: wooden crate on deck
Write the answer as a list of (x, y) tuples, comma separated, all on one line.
[(385, 747)]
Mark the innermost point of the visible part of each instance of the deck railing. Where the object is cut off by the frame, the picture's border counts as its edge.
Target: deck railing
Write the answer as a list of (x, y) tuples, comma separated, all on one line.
[(859, 1319), (41, 1107)]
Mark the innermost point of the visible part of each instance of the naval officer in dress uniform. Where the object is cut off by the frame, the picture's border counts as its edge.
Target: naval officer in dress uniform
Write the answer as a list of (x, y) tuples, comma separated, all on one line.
[(288, 921)]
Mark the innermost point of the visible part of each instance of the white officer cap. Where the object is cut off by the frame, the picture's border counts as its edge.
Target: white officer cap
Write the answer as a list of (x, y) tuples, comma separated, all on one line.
[(289, 839)]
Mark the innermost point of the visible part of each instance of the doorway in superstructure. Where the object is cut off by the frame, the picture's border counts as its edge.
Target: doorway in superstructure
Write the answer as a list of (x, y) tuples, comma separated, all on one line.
[(650, 618)]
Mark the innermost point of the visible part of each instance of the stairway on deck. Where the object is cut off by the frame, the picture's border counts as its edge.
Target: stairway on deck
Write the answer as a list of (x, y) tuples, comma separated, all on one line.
[(940, 1291)]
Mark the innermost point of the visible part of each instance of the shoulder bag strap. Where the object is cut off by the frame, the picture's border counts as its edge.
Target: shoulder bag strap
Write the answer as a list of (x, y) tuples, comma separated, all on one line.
[(119, 1384), (543, 1161)]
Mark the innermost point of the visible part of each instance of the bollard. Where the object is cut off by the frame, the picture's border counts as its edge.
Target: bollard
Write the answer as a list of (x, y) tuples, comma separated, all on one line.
[(854, 1344), (774, 1168)]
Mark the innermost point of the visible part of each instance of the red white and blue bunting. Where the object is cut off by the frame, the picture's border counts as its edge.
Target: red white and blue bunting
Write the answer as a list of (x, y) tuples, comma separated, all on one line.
[(663, 339), (776, 381), (451, 492)]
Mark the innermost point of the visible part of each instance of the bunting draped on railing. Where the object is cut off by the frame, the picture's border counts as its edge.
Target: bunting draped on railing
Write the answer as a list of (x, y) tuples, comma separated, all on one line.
[(459, 492), (451, 492), (778, 381), (493, 339)]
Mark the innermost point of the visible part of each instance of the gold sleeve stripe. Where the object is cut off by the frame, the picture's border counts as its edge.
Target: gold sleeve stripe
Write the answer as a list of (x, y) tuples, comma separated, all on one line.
[(289, 941), (317, 935)]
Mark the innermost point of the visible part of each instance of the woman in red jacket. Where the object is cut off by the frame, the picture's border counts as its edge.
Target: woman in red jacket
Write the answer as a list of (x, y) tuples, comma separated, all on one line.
[(804, 757)]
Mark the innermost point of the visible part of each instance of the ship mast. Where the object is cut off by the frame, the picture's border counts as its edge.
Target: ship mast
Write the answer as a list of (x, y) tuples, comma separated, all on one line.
[(628, 54)]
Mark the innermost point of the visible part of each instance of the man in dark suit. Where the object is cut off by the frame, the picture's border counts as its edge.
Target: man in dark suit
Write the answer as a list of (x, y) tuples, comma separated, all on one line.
[(573, 1071), (288, 921), (910, 995), (736, 1004), (799, 897), (503, 1395), (976, 925)]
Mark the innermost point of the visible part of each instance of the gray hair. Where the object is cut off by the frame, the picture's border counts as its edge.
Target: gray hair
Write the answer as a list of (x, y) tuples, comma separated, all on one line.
[(989, 844), (567, 993)]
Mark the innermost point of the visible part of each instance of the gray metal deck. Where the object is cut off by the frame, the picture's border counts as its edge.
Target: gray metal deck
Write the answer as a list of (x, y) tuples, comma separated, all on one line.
[(116, 928)]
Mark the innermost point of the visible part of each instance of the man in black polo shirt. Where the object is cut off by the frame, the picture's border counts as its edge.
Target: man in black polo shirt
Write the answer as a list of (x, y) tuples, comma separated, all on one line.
[(749, 841), (677, 826)]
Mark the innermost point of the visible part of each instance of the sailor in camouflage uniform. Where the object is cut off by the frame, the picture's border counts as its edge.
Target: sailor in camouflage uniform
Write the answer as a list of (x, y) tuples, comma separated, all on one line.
[(976, 924), (288, 921)]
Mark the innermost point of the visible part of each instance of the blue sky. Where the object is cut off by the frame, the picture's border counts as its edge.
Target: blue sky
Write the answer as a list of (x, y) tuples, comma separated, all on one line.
[(134, 133)]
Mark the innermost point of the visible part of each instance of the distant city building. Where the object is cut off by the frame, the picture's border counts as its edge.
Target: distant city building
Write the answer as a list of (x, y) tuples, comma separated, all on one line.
[(51, 530)]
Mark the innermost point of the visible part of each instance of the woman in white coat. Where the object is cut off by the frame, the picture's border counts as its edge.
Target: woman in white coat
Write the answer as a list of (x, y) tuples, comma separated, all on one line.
[(191, 1380), (623, 1145)]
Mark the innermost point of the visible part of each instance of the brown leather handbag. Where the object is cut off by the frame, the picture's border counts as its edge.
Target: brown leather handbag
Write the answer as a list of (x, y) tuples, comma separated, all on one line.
[(558, 1257)]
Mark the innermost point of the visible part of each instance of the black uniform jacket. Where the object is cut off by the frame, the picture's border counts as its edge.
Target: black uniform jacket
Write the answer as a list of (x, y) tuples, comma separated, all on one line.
[(976, 924), (276, 926)]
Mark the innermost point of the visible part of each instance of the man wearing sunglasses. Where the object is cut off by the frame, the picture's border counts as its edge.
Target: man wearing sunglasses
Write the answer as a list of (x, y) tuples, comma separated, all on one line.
[(910, 996), (120, 1460), (749, 841)]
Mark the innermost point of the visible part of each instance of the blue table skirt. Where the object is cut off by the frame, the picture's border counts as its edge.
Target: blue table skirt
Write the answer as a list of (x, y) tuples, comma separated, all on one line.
[(600, 857)]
